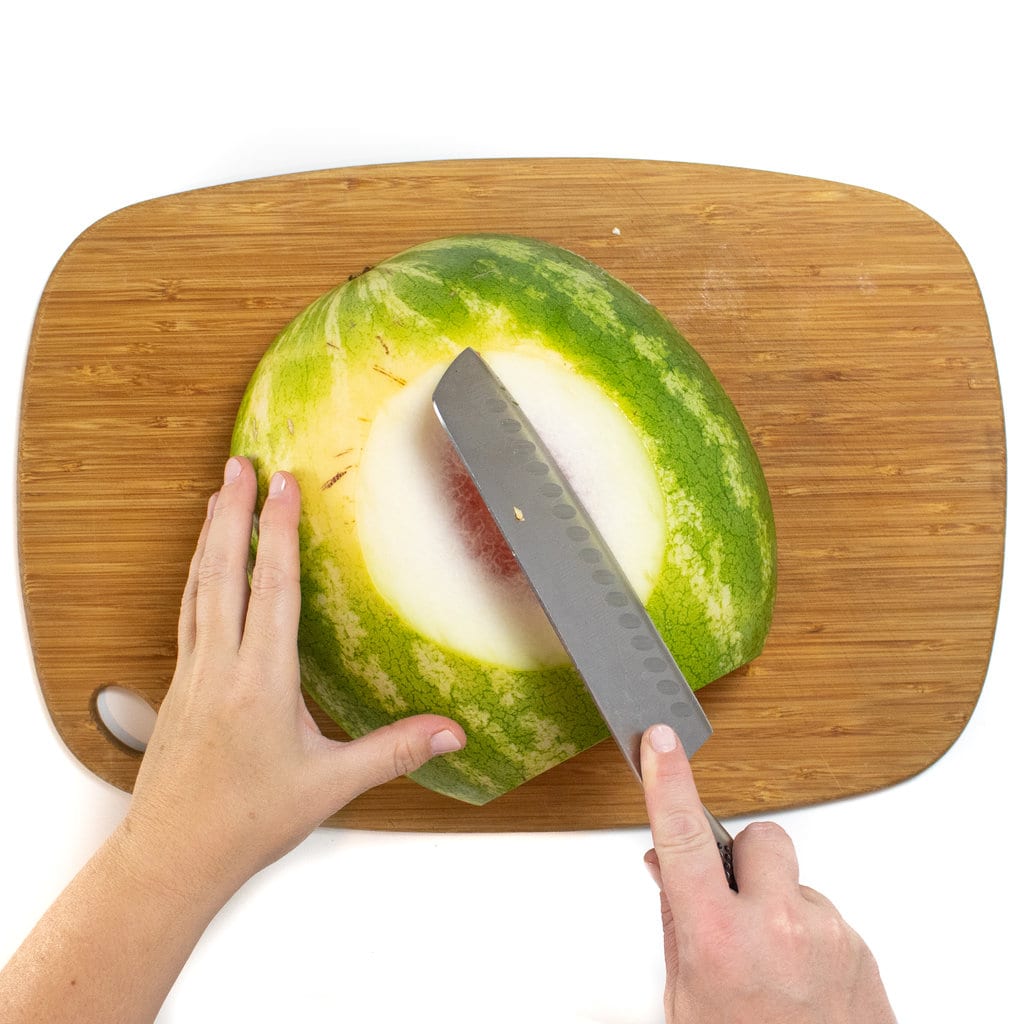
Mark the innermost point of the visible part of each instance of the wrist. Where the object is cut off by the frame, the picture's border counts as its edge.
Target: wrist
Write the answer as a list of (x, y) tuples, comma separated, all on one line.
[(165, 864)]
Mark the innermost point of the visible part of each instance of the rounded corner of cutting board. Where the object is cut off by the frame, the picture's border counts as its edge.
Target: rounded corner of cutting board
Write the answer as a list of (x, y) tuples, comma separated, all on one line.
[(845, 324)]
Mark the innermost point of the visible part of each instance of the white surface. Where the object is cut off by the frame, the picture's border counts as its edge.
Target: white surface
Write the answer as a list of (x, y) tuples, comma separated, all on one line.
[(109, 104)]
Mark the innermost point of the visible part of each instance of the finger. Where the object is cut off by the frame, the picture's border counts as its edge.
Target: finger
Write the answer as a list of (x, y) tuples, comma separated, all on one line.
[(667, 922), (272, 620), (391, 752), (819, 900), (670, 944), (223, 587), (691, 866), (653, 867), (187, 614), (764, 860)]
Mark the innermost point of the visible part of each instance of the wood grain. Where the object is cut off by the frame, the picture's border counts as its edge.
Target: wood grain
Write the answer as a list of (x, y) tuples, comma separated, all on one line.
[(846, 325)]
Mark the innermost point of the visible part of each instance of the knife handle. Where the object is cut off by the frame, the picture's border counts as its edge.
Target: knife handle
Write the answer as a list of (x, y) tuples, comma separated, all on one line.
[(724, 841)]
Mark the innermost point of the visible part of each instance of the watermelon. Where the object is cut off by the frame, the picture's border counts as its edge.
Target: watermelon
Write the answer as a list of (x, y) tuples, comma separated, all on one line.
[(411, 602)]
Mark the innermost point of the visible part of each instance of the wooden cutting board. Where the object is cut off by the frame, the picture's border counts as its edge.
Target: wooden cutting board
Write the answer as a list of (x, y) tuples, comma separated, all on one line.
[(846, 325)]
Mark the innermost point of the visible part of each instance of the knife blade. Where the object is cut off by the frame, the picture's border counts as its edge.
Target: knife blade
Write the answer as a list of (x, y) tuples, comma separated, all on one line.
[(586, 595)]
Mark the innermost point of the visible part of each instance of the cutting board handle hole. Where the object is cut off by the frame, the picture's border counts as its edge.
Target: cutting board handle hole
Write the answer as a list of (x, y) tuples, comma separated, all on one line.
[(126, 716)]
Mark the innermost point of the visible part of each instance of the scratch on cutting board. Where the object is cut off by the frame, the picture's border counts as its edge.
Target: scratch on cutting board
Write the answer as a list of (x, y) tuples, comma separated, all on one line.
[(832, 775)]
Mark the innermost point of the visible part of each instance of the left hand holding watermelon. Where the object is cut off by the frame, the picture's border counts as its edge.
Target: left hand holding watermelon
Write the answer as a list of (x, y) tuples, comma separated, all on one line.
[(235, 775), (237, 772)]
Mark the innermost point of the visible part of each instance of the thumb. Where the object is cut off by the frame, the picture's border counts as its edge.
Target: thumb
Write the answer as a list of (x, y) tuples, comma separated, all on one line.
[(393, 751)]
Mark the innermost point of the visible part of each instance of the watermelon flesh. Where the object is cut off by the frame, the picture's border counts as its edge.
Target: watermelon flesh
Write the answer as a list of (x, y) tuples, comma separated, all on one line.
[(484, 541), (412, 601)]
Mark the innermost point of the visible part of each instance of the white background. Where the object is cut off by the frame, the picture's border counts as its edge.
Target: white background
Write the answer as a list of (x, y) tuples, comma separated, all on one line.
[(106, 104)]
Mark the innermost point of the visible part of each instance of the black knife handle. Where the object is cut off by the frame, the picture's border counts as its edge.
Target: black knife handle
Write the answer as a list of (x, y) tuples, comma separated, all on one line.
[(724, 841)]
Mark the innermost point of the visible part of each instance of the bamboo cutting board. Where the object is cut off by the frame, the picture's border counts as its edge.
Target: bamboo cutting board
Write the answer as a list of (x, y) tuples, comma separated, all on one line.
[(846, 326)]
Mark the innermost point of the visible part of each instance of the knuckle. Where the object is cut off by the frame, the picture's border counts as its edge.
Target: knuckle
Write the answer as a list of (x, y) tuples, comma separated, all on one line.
[(405, 757), (799, 930), (270, 578), (787, 925), (837, 936), (213, 571), (683, 831)]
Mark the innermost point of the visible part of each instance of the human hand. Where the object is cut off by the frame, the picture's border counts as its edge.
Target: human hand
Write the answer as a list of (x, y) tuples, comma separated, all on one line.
[(237, 773), (774, 951)]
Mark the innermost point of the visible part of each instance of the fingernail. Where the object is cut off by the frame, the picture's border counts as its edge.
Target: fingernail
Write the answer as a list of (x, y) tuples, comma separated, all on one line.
[(663, 738), (232, 470), (444, 742), (277, 485)]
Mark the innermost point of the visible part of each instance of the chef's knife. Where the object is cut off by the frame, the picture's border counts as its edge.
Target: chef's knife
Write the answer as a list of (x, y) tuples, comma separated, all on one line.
[(593, 608)]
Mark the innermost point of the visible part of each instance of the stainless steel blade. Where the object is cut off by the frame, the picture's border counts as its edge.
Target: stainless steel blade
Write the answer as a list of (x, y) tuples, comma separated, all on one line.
[(585, 593)]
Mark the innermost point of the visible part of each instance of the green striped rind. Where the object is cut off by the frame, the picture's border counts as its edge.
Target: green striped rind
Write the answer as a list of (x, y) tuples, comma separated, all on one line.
[(713, 599)]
